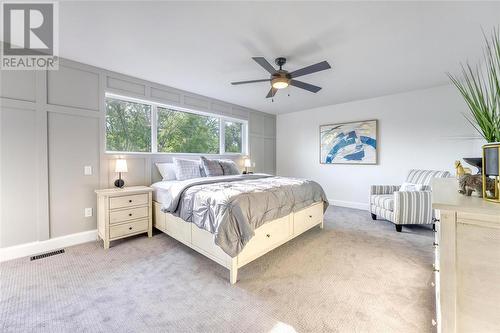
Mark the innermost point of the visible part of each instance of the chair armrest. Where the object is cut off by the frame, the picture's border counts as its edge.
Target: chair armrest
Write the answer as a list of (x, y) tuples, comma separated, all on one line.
[(384, 189), (413, 207)]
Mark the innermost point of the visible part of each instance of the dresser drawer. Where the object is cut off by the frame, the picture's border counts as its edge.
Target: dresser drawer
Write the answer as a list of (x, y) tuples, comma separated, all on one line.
[(128, 201), (129, 228), (307, 218), (128, 214)]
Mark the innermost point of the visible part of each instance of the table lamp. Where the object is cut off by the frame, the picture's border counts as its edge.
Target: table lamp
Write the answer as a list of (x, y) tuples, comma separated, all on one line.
[(247, 164), (120, 166)]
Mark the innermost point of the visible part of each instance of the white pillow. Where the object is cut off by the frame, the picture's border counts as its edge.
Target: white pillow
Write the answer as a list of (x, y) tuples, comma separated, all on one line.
[(167, 170), (410, 187)]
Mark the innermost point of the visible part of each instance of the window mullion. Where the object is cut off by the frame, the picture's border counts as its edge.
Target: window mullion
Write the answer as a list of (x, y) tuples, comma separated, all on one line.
[(154, 129), (222, 138)]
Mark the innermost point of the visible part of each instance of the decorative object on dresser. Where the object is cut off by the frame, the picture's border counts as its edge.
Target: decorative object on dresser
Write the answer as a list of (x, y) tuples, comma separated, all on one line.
[(460, 170), (474, 183), (124, 212), (467, 261), (491, 174), (120, 166), (401, 206), (476, 162), (349, 143)]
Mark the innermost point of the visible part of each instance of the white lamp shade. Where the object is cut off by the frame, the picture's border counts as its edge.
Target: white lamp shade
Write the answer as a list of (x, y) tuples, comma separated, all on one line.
[(121, 165), (247, 163)]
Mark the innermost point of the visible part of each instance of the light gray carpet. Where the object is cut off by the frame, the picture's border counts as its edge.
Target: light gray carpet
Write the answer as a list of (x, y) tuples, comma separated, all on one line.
[(356, 275)]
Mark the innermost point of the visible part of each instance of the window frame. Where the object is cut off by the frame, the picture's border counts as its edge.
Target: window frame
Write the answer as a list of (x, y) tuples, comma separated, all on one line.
[(154, 127)]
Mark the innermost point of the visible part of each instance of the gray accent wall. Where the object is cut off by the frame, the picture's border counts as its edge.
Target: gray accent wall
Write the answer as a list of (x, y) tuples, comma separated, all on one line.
[(52, 125)]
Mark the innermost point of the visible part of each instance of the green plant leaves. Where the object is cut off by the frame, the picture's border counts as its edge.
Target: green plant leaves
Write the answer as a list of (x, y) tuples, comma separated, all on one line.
[(481, 91)]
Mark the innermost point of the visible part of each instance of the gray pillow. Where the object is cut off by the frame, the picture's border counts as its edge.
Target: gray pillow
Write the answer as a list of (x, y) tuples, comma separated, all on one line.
[(229, 167), (211, 167), (186, 169)]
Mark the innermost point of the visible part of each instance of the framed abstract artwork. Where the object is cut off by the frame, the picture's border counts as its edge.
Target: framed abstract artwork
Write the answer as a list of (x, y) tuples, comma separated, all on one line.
[(349, 143)]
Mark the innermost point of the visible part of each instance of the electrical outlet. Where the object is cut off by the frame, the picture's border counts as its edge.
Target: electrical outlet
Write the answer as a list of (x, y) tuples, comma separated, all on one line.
[(88, 212), (87, 170)]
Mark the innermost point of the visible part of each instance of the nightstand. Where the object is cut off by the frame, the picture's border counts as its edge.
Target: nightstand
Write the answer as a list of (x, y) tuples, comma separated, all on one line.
[(124, 212)]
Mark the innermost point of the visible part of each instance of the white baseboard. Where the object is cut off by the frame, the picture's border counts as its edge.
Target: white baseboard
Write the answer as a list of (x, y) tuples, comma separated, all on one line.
[(349, 204), (29, 249)]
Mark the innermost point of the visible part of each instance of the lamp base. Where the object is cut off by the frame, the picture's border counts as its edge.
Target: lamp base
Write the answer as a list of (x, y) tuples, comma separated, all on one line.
[(119, 183)]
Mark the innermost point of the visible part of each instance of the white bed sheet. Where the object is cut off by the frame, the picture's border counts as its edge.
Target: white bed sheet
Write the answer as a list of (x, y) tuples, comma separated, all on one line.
[(161, 191)]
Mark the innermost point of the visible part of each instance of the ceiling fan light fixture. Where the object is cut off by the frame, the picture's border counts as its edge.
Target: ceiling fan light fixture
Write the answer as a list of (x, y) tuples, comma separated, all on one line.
[(280, 83)]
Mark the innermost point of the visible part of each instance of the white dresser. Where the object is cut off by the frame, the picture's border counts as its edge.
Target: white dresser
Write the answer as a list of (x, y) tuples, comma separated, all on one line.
[(124, 212), (467, 261)]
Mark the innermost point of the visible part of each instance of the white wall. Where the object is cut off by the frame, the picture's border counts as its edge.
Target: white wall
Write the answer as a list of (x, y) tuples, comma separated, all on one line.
[(422, 129)]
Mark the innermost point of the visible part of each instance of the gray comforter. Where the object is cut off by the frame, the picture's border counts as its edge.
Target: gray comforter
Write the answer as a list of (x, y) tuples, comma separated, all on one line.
[(232, 207)]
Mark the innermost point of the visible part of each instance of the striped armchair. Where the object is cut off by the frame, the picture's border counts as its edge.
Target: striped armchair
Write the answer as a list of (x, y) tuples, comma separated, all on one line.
[(388, 203)]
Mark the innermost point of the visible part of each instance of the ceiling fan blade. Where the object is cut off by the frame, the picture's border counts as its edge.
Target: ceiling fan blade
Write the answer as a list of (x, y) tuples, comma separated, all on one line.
[(264, 63), (271, 92), (306, 86), (252, 81), (320, 66)]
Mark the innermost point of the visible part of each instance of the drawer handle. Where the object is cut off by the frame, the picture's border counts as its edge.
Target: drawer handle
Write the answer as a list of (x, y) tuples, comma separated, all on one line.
[(130, 214), (435, 244), (268, 235), (310, 216), (130, 201), (433, 284), (129, 228)]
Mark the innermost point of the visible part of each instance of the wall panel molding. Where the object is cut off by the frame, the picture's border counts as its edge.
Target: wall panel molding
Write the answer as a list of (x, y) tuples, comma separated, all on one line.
[(78, 90)]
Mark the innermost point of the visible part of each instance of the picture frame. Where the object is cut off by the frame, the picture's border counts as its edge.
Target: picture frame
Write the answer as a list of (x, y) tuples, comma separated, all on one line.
[(353, 142)]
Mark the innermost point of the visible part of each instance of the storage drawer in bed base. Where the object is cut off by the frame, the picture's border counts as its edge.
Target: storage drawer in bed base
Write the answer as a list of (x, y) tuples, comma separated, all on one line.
[(267, 237)]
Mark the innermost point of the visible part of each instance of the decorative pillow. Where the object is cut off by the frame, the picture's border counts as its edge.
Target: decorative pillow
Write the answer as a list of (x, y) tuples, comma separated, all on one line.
[(409, 187), (186, 169), (167, 170), (211, 167), (229, 167)]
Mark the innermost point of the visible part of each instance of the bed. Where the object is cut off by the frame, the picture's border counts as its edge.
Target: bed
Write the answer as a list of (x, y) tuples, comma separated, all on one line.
[(234, 220)]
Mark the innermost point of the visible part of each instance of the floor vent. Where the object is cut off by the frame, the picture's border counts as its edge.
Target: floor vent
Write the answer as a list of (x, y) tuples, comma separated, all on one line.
[(45, 255)]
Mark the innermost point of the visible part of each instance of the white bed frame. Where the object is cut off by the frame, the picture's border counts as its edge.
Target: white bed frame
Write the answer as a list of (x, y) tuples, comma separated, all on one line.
[(267, 237)]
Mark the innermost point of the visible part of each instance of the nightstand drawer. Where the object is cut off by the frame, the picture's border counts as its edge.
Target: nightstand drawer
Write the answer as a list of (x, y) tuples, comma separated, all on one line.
[(128, 201), (128, 214), (125, 229)]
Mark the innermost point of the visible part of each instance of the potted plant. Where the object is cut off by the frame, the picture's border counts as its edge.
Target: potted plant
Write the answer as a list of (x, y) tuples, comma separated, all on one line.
[(481, 91)]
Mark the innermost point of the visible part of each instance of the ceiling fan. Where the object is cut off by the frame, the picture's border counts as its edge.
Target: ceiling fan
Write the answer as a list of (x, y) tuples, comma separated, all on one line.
[(282, 78)]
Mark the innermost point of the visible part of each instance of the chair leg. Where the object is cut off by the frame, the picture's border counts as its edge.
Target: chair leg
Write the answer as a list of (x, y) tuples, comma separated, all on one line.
[(374, 217), (399, 227)]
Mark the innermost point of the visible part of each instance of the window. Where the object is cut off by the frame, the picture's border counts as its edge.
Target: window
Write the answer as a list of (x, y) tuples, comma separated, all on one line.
[(183, 132), (128, 126), (233, 138), (144, 127)]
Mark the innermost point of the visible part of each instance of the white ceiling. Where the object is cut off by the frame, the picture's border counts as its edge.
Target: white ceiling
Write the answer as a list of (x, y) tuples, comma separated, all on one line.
[(375, 48)]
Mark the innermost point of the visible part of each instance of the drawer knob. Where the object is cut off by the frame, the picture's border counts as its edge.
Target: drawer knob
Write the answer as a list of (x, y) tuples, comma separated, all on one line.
[(130, 201), (130, 214), (435, 244), (129, 228), (310, 216), (268, 235)]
